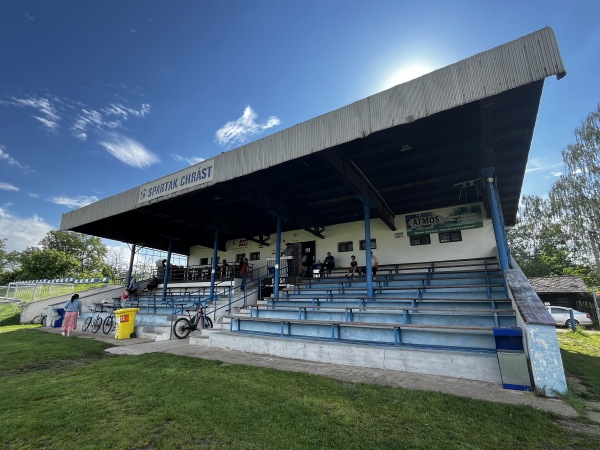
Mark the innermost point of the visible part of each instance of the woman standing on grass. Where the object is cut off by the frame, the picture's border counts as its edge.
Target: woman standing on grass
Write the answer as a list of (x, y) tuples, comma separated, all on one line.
[(72, 311)]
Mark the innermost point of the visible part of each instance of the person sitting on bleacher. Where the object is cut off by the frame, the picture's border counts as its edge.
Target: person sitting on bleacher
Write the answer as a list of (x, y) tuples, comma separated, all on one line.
[(124, 298), (133, 287), (353, 270), (374, 264), (318, 268), (161, 266)]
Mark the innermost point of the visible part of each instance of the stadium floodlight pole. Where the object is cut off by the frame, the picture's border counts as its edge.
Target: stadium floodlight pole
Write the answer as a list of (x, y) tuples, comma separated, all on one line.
[(592, 234)]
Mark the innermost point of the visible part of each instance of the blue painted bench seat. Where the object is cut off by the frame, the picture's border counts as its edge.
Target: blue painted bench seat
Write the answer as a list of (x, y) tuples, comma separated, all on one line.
[(458, 338), (397, 314)]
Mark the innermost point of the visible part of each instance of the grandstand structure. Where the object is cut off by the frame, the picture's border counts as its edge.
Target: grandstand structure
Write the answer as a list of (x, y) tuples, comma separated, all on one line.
[(425, 175)]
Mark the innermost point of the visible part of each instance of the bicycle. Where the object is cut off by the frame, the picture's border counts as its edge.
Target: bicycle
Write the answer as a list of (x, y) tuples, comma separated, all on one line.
[(95, 320), (183, 326), (40, 319), (110, 323)]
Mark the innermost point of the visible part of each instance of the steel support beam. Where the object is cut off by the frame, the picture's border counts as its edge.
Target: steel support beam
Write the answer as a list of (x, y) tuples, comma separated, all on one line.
[(353, 177)]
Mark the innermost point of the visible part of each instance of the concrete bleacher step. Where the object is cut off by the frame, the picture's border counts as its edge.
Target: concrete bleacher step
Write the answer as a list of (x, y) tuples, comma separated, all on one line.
[(384, 314), (467, 365), (444, 337)]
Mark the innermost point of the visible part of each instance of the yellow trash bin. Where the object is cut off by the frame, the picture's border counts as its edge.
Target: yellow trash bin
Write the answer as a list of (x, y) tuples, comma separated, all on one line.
[(125, 322)]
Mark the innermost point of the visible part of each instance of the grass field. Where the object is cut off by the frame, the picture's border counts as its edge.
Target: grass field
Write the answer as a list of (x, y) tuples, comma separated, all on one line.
[(69, 394)]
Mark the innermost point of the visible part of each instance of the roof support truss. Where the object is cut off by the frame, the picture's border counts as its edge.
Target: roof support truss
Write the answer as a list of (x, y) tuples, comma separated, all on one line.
[(352, 176)]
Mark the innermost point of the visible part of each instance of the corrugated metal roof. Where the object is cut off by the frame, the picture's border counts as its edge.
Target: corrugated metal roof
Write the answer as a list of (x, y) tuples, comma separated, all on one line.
[(527, 59), (392, 114)]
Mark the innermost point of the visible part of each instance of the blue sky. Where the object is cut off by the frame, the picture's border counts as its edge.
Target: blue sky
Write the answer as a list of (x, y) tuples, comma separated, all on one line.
[(100, 97)]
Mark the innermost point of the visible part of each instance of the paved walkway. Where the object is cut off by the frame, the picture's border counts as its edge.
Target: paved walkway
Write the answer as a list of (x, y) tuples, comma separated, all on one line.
[(463, 388)]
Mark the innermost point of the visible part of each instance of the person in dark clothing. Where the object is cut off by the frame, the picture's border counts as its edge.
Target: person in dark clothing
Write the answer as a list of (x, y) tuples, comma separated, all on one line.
[(329, 263), (310, 260)]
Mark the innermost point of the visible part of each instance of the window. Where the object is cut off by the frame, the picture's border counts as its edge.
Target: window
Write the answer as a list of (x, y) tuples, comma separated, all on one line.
[(452, 236), (345, 246), (255, 256), (363, 244), (423, 239), (204, 261)]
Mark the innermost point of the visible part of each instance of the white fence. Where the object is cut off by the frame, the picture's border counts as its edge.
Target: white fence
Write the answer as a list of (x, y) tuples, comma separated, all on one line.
[(23, 293)]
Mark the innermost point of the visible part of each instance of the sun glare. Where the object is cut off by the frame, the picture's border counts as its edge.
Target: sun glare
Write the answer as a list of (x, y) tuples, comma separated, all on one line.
[(407, 73)]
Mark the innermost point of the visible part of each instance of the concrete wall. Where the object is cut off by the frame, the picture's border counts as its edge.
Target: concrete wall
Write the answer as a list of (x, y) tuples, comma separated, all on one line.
[(392, 246), (87, 298)]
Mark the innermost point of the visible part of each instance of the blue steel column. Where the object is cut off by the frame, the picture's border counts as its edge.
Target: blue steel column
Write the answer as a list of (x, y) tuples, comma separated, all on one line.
[(130, 266), (167, 270), (277, 258), (489, 182), (213, 269), (368, 266)]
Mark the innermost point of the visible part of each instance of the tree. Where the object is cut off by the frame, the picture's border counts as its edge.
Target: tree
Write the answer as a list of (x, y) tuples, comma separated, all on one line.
[(116, 262), (88, 250), (538, 242), (575, 197), (38, 263)]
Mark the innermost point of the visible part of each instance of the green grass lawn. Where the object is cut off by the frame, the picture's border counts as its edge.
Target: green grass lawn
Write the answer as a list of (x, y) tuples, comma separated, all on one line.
[(67, 393), (581, 357)]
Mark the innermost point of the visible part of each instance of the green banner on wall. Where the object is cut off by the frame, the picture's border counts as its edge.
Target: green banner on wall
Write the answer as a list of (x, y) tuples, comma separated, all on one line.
[(456, 218)]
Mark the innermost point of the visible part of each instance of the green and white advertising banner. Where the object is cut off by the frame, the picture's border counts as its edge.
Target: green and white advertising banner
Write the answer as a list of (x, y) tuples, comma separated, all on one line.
[(464, 217)]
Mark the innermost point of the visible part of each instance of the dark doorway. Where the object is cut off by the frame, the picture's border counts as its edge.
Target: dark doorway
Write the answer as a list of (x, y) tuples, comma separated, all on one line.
[(308, 258)]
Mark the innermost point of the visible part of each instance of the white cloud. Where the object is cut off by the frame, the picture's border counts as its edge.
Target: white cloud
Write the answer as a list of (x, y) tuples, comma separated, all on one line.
[(21, 233), (89, 118), (240, 130), (47, 123), (535, 164), (34, 195), (48, 114), (29, 17), (189, 160), (556, 174), (74, 202), (5, 157), (128, 151), (125, 111), (8, 187)]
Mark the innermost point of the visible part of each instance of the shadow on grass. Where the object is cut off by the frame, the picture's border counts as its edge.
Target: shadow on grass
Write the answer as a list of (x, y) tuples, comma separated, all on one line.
[(10, 320)]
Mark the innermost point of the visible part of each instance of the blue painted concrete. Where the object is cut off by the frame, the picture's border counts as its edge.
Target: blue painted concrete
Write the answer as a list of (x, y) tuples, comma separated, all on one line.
[(546, 361)]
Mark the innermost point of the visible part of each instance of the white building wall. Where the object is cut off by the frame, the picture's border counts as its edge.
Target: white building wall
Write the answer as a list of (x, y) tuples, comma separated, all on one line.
[(393, 247)]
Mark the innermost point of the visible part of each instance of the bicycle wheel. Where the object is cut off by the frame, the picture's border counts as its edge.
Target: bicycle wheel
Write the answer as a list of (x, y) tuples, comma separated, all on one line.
[(108, 324), (96, 324), (36, 320), (86, 324), (207, 322), (182, 328)]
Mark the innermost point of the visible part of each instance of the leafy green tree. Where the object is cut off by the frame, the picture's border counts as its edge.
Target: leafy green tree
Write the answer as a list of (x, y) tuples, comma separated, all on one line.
[(541, 244), (575, 197), (38, 263), (88, 250)]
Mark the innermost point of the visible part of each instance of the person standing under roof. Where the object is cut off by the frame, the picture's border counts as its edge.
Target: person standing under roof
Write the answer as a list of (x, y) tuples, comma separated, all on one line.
[(72, 312), (289, 251), (329, 263), (244, 273)]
